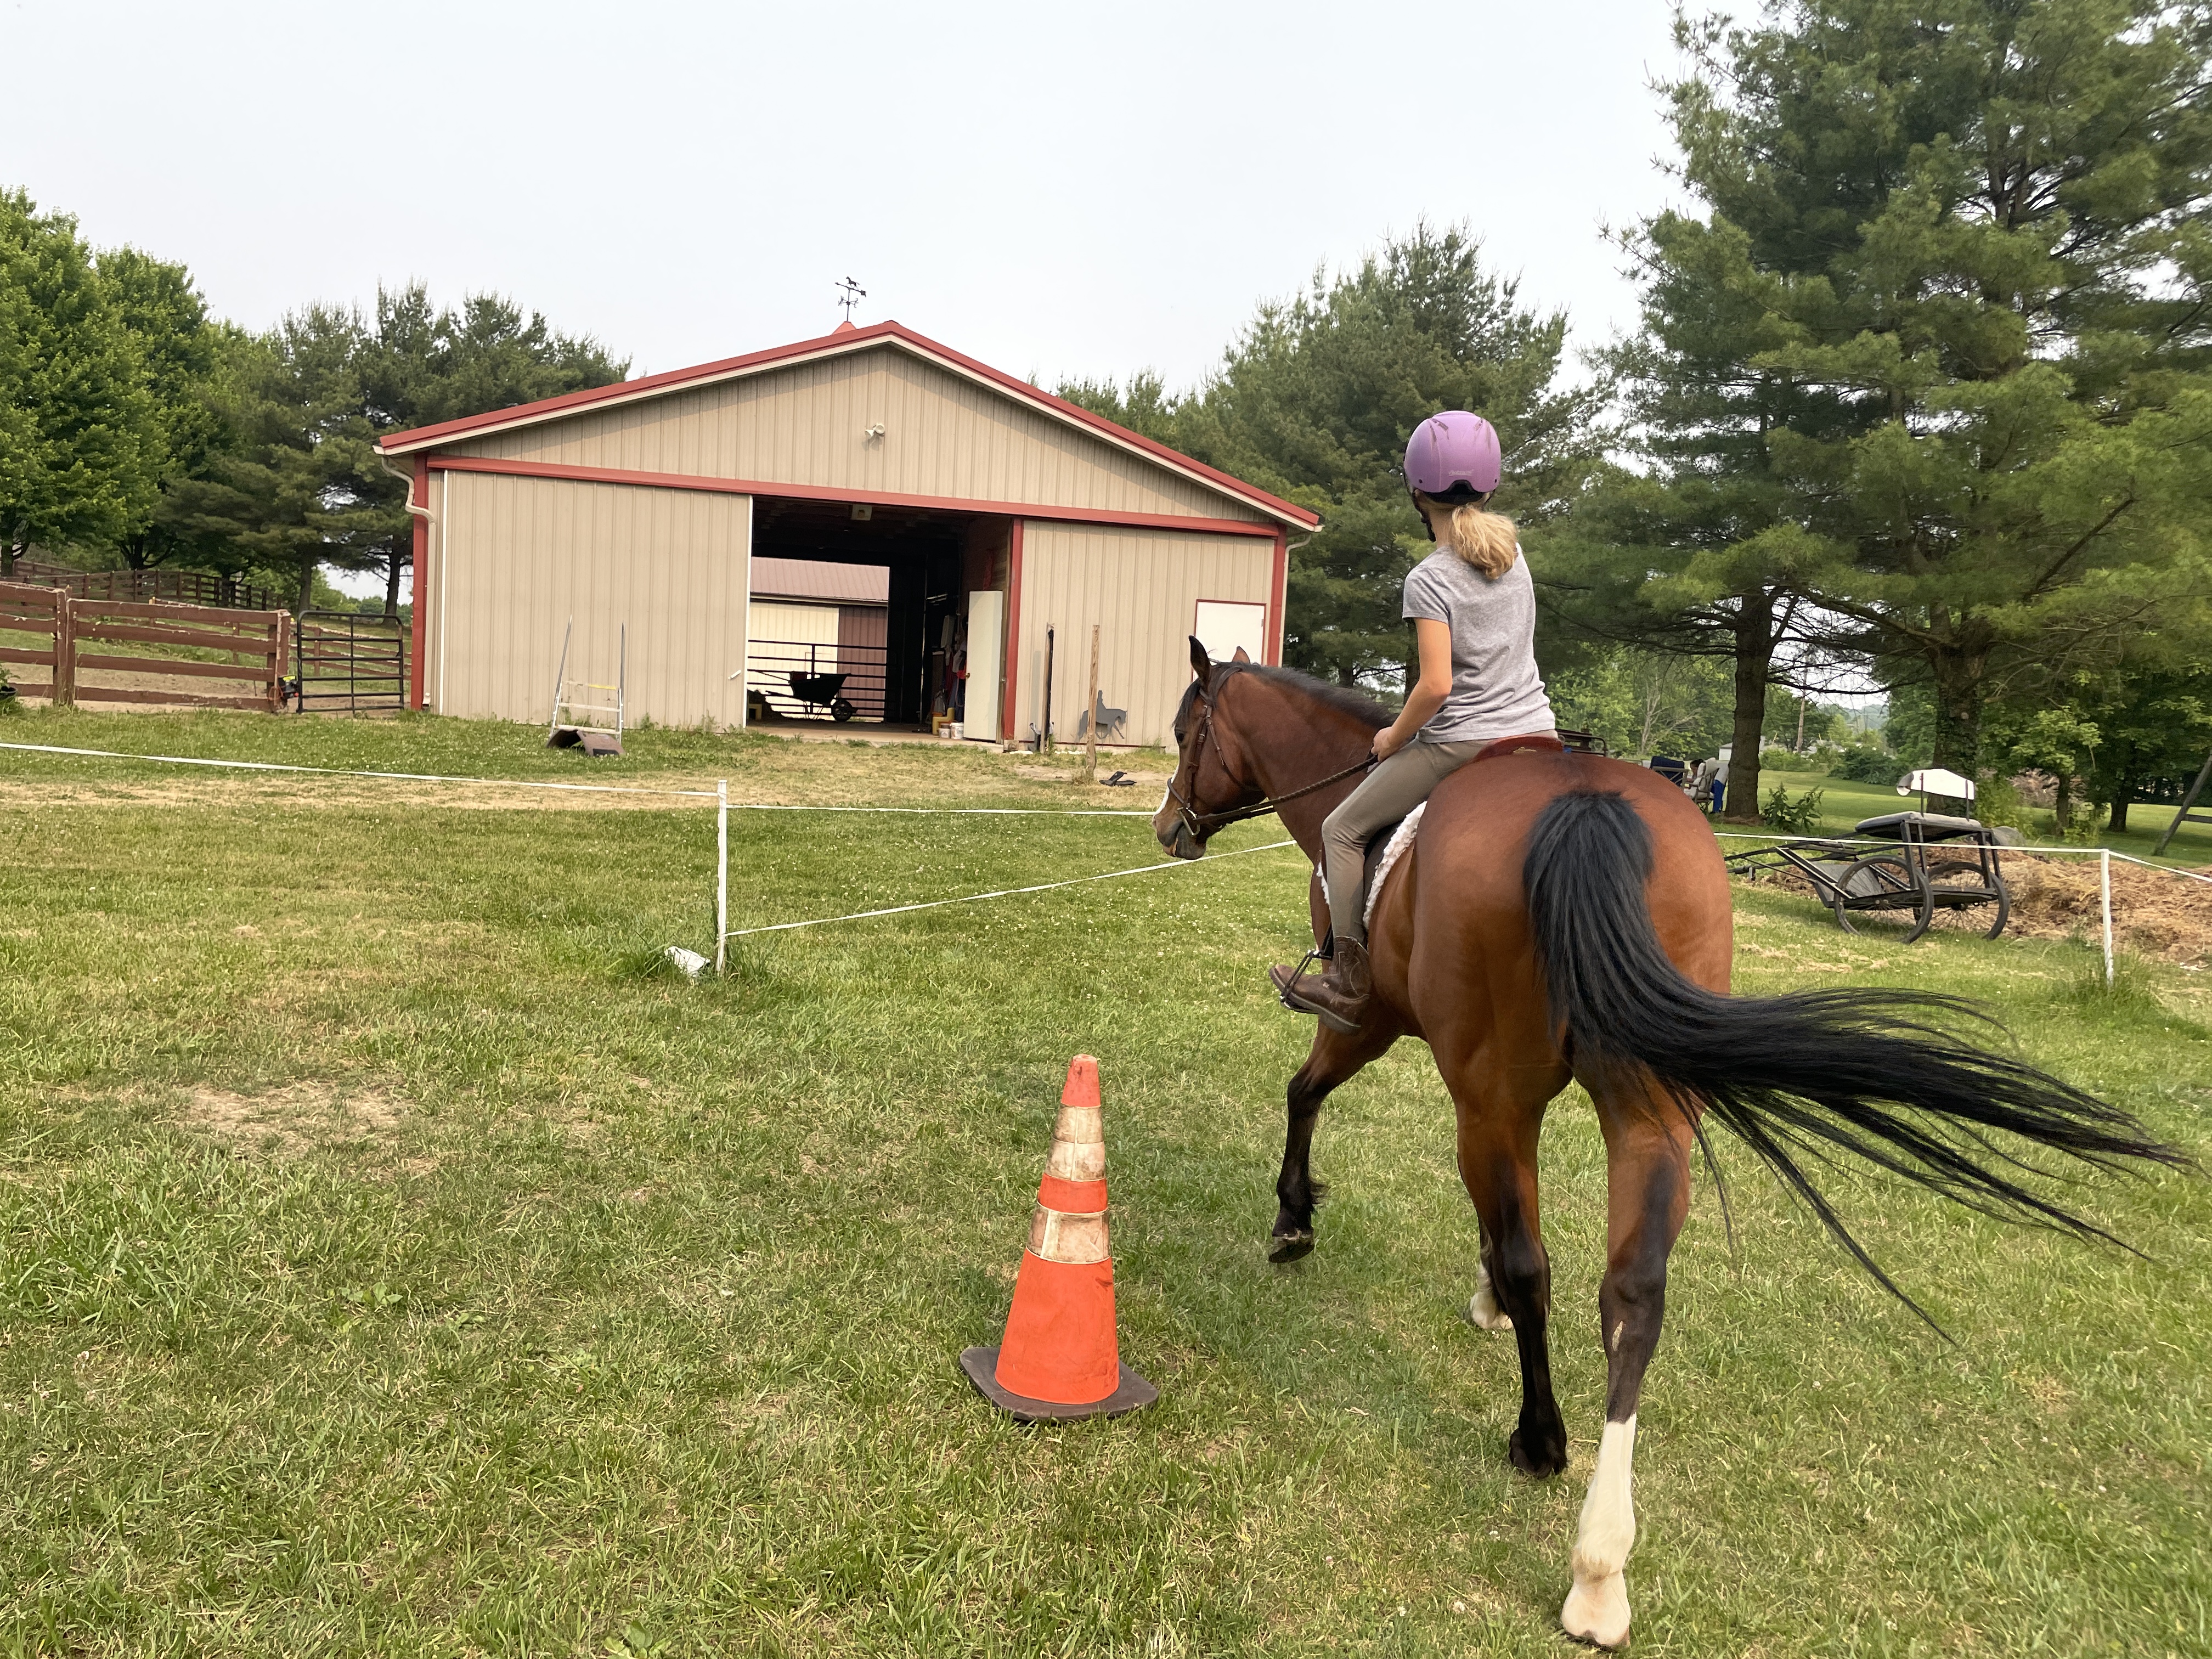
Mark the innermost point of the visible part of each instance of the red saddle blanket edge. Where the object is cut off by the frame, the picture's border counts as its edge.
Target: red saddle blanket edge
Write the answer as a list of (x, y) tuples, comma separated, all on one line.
[(1546, 741)]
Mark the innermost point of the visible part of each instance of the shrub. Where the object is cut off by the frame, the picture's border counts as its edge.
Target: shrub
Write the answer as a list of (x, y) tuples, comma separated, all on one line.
[(1868, 762), (2088, 819), (1782, 760), (1999, 803), (1798, 816)]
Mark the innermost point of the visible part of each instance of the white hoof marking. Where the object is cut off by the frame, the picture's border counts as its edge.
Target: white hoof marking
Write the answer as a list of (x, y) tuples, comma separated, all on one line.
[(1598, 1613), (1482, 1306), (1597, 1609)]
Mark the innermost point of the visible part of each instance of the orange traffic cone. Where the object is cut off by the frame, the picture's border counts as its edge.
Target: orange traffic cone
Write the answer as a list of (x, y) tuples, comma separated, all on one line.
[(1060, 1359)]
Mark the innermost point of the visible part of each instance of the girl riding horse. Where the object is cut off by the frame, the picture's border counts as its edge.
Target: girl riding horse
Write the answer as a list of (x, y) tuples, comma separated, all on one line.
[(1564, 916), (1473, 611)]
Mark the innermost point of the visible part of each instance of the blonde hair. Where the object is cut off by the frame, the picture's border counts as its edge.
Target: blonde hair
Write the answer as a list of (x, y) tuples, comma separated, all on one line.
[(1486, 540)]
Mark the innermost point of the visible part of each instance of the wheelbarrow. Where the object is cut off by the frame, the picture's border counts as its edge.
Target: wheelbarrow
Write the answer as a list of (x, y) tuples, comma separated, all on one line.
[(823, 692)]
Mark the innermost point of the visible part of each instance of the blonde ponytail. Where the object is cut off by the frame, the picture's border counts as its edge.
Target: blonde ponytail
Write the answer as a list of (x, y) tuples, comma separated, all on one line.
[(1486, 540)]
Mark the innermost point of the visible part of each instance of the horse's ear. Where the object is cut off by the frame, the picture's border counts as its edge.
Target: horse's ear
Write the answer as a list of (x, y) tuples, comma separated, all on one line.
[(1242, 655), (1200, 664)]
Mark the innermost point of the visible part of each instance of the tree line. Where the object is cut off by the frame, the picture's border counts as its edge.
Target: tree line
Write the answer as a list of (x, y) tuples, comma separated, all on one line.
[(1919, 399), (136, 429)]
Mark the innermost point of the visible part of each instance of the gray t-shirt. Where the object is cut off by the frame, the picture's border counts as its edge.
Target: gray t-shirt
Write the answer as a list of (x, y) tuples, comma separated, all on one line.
[(1496, 691)]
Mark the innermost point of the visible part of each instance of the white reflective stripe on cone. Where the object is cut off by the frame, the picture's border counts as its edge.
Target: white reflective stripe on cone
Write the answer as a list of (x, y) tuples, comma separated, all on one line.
[(1082, 1124), (1076, 1160), (1074, 1239)]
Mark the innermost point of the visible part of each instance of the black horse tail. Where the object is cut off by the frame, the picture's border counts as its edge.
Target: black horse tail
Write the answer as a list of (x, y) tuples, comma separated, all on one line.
[(1855, 1070)]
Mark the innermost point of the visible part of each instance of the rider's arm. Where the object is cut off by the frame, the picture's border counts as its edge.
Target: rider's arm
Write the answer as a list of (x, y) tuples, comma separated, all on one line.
[(1432, 640)]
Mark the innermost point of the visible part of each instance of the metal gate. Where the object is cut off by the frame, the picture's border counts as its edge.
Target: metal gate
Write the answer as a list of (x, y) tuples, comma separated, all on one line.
[(350, 662)]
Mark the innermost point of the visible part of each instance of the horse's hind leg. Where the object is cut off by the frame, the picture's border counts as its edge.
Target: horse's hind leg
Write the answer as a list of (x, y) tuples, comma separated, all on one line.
[(1336, 1056), (1498, 1162), (1647, 1143)]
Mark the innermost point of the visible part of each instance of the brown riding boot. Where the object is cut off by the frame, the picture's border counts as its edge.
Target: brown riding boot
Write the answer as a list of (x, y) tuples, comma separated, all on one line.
[(1339, 997)]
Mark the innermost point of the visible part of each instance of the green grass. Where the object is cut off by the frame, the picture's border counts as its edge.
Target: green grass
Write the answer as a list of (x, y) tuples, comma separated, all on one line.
[(395, 1262)]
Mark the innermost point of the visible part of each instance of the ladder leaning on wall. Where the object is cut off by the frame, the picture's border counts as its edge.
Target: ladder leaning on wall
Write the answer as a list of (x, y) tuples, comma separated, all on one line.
[(572, 698)]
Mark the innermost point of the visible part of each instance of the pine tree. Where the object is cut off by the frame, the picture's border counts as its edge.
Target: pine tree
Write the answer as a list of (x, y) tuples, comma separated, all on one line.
[(1962, 245), (1316, 397)]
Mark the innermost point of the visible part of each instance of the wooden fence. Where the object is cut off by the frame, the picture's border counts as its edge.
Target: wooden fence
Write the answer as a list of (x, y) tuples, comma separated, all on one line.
[(257, 642), (185, 586)]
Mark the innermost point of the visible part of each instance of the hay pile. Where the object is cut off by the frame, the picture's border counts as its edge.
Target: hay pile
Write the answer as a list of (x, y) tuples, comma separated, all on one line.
[(2154, 914)]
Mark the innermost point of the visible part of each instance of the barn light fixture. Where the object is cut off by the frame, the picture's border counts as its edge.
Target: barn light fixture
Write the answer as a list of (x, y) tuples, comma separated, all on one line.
[(874, 432), (862, 512)]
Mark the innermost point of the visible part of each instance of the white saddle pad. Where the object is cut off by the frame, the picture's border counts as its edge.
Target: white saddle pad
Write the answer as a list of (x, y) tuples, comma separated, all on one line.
[(1401, 841)]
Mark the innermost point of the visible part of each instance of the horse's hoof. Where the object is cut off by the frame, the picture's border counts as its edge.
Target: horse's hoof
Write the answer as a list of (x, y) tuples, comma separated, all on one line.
[(1597, 1612), (1482, 1309), (1289, 1246), (1538, 1463)]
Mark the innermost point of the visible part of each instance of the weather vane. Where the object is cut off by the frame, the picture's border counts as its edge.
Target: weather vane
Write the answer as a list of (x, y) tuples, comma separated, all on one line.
[(852, 294)]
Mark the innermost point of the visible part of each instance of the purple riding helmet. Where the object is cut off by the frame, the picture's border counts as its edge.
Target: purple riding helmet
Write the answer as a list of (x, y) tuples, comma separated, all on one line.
[(1455, 456)]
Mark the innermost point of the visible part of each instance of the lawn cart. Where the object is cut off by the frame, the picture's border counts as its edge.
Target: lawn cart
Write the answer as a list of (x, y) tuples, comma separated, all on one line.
[(1940, 864)]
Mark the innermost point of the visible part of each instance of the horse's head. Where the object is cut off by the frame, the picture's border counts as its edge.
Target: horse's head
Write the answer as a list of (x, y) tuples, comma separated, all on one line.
[(1205, 785)]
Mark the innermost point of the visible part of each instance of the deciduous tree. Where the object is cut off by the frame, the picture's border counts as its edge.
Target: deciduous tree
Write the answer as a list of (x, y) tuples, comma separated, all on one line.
[(81, 440)]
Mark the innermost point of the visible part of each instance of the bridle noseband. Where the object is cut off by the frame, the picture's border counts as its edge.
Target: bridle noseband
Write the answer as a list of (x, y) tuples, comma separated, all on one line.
[(1202, 824)]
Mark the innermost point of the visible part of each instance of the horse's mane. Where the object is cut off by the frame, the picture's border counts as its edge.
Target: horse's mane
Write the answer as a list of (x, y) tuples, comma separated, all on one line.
[(1341, 698)]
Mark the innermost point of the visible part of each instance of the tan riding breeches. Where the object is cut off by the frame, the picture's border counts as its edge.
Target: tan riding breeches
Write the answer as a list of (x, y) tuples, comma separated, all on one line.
[(1393, 789)]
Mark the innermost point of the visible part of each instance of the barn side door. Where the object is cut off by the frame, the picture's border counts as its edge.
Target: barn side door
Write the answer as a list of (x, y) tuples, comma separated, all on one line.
[(986, 639)]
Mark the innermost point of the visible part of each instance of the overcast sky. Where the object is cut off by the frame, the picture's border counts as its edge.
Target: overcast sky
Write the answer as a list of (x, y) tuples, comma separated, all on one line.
[(1055, 189)]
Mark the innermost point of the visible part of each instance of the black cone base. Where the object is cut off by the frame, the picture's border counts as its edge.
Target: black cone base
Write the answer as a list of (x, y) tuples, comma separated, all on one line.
[(982, 1365)]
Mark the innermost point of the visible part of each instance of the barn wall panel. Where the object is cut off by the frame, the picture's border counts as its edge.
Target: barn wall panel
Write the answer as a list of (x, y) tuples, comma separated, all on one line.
[(944, 436), (523, 556), (1142, 587)]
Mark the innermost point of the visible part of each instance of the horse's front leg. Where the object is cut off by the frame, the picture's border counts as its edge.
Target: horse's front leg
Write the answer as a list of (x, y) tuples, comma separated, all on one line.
[(1335, 1057)]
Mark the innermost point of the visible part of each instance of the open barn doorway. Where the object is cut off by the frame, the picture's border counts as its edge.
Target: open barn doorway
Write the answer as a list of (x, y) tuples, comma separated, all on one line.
[(859, 613)]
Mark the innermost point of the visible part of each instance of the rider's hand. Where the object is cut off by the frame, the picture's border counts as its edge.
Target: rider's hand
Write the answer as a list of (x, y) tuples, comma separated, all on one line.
[(1387, 743)]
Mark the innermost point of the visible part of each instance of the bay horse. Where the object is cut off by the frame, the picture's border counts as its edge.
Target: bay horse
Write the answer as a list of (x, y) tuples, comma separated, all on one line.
[(1562, 915)]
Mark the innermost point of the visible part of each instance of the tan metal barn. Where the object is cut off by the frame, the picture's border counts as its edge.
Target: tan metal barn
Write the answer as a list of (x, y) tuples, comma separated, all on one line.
[(1008, 522)]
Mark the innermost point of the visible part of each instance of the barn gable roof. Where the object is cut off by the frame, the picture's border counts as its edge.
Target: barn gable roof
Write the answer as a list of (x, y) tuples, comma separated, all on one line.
[(844, 339)]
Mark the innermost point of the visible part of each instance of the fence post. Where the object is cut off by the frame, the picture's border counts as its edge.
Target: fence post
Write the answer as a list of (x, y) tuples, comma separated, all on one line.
[(721, 874), (281, 649), (2105, 904), (65, 692)]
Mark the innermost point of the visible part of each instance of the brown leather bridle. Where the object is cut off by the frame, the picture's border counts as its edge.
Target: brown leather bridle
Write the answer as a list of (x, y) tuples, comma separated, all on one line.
[(1202, 824)]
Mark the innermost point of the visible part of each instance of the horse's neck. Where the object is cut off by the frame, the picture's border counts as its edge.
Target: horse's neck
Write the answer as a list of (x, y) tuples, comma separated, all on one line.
[(1294, 742)]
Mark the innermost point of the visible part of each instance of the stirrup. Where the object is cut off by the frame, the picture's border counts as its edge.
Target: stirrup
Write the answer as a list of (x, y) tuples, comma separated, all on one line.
[(1283, 992), (1335, 1023)]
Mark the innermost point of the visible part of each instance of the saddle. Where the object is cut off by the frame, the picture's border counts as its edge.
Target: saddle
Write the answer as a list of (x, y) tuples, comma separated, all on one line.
[(1394, 840)]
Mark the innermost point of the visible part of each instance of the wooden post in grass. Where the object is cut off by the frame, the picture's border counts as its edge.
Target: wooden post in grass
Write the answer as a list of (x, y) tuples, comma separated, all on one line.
[(64, 696), (1090, 714)]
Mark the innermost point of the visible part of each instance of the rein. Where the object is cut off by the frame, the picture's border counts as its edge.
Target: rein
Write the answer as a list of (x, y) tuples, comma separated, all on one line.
[(1202, 824)]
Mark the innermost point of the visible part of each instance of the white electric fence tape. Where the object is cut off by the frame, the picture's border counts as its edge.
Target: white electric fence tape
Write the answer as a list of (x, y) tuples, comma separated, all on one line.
[(591, 788), (2021, 851), (339, 772), (725, 806), (1008, 892)]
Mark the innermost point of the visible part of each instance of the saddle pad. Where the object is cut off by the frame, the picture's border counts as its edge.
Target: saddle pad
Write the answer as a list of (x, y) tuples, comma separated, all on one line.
[(1401, 839)]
